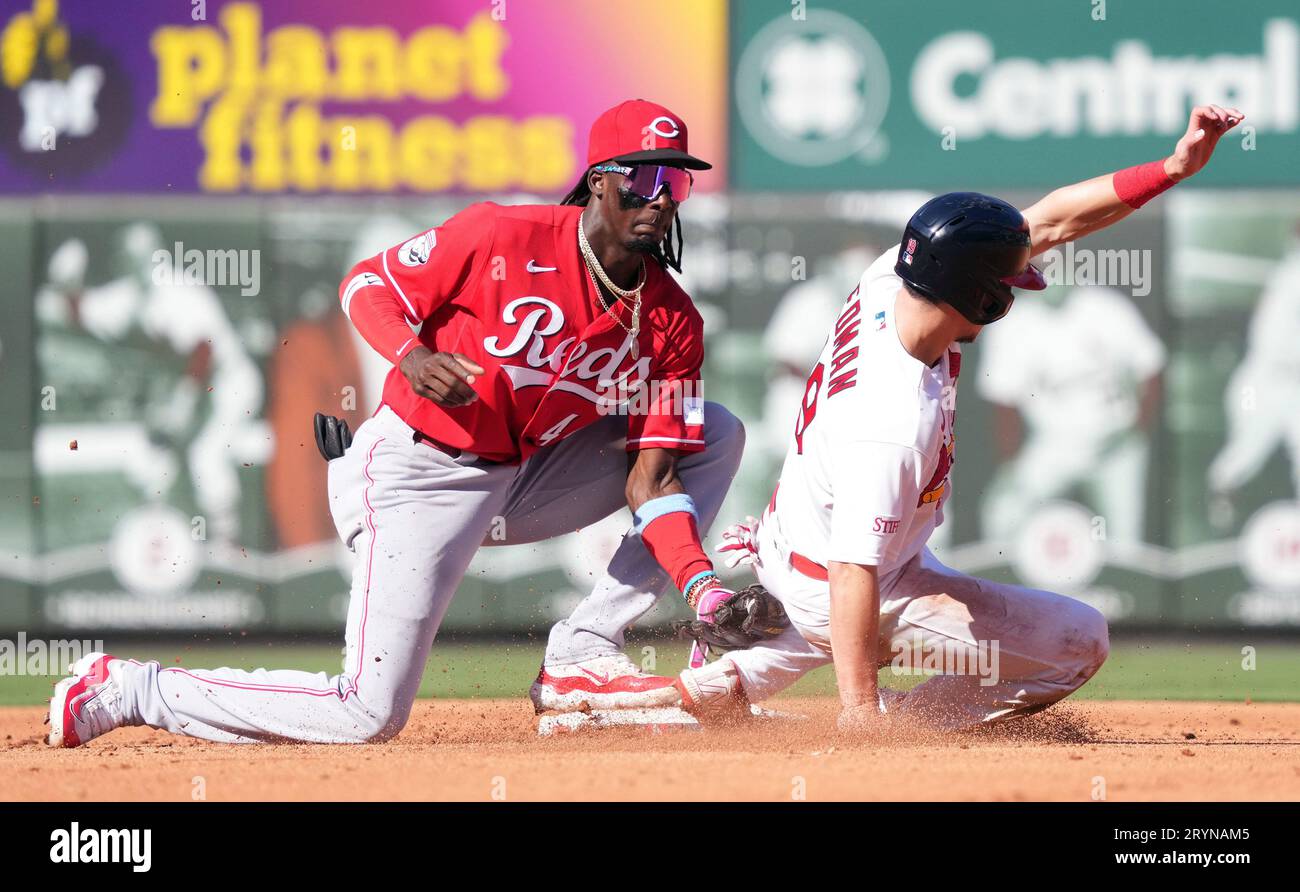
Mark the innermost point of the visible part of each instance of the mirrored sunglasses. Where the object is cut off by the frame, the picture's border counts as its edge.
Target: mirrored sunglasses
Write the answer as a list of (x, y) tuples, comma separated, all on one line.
[(646, 180)]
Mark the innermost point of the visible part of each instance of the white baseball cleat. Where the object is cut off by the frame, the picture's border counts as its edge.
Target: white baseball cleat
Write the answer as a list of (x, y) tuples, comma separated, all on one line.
[(87, 703), (713, 692), (606, 682)]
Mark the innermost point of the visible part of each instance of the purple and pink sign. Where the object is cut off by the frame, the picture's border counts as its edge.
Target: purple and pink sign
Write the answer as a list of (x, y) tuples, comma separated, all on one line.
[(336, 97)]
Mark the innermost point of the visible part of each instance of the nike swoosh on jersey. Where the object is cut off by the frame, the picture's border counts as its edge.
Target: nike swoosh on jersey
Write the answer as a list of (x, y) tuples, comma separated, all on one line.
[(534, 268)]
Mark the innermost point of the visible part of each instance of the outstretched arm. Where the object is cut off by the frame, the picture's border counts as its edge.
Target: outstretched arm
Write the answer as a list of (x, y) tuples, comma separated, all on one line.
[(1080, 209)]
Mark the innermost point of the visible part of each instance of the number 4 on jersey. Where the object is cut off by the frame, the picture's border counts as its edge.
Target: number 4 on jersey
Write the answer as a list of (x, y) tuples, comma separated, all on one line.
[(555, 430)]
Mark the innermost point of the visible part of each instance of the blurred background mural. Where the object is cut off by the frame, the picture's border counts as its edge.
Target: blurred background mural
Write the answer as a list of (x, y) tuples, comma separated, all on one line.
[(182, 195)]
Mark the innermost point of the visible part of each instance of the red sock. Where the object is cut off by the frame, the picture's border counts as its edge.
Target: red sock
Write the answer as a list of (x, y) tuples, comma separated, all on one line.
[(674, 541)]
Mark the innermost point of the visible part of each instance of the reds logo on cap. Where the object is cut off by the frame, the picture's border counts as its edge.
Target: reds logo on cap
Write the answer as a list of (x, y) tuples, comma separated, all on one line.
[(640, 131), (665, 126)]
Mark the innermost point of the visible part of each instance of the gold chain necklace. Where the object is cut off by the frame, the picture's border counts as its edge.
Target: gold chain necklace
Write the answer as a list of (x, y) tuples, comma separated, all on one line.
[(596, 271)]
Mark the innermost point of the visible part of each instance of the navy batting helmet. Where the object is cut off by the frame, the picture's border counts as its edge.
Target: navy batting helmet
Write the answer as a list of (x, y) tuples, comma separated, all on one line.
[(968, 250)]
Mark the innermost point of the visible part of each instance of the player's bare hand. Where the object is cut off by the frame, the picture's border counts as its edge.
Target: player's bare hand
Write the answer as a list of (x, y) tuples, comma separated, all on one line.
[(1207, 124), (445, 378)]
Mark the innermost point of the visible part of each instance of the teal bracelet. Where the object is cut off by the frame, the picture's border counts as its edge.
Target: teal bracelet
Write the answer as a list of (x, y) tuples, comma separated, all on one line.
[(698, 586)]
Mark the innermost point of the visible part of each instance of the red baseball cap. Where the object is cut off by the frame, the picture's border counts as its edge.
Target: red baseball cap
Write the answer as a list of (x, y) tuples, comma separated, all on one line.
[(638, 131)]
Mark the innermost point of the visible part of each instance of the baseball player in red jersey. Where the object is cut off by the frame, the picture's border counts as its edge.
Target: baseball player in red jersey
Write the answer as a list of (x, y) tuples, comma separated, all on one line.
[(545, 373)]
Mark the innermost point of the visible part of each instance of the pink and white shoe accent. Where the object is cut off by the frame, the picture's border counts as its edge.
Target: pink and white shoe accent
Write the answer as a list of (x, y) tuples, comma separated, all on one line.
[(608, 682), (87, 703)]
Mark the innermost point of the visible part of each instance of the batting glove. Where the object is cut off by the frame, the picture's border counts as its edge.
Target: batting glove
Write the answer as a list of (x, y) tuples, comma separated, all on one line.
[(740, 544)]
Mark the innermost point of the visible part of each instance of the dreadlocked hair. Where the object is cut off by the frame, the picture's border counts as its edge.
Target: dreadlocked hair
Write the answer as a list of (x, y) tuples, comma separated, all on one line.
[(667, 252)]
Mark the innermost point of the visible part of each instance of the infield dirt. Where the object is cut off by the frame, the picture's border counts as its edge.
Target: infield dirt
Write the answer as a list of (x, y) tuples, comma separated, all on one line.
[(486, 749)]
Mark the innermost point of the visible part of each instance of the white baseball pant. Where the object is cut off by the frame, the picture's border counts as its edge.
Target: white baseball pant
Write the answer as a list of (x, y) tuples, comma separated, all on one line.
[(1047, 645)]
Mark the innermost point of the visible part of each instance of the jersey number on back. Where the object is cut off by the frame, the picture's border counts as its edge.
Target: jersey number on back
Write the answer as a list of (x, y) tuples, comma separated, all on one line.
[(808, 408)]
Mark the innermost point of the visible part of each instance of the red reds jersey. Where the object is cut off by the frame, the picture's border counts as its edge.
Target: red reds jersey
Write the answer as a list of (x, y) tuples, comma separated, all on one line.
[(507, 287)]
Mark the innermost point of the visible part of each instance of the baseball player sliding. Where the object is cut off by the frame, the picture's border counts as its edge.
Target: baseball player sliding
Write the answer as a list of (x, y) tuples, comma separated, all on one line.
[(517, 335), (842, 543)]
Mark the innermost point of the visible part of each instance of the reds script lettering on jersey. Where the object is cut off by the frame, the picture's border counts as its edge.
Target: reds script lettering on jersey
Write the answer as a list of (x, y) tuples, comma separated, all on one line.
[(867, 472), (506, 286)]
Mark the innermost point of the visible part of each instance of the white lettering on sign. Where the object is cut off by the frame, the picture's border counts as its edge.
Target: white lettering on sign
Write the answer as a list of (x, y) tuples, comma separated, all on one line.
[(1131, 93)]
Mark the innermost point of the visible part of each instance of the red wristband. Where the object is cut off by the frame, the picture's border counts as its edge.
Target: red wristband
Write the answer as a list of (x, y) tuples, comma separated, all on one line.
[(1135, 186)]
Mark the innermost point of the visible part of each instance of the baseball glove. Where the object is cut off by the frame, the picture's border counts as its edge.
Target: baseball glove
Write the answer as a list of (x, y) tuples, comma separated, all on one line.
[(746, 618), (332, 436)]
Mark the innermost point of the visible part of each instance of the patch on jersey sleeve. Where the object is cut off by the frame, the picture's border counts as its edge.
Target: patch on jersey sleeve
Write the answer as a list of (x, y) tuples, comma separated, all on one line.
[(693, 409), (416, 251)]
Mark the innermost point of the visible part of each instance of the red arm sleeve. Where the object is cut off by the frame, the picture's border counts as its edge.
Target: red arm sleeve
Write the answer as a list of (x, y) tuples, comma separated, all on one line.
[(675, 416), (389, 296)]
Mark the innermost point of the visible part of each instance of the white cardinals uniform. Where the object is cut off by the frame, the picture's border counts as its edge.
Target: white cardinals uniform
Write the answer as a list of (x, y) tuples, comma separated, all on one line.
[(865, 479)]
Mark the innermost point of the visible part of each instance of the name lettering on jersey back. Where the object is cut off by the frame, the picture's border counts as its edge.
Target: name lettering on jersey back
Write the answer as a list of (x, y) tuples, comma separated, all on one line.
[(885, 525), (532, 328), (843, 373)]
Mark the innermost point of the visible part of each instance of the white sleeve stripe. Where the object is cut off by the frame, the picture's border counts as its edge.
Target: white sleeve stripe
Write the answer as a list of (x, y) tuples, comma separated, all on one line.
[(359, 281), (415, 320), (665, 440)]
